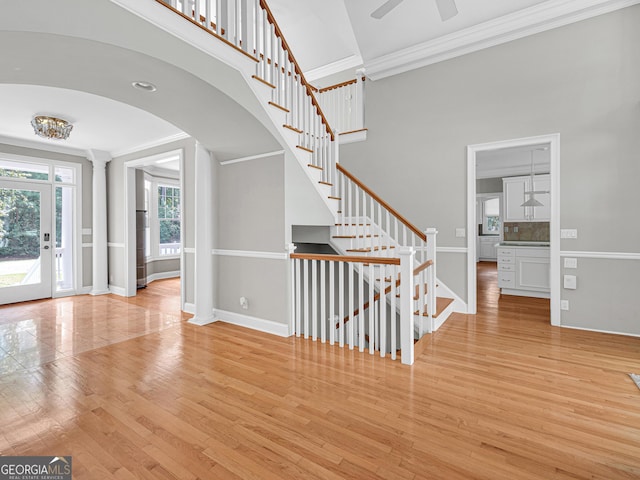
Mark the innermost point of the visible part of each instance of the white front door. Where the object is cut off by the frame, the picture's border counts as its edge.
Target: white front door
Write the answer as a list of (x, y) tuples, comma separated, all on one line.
[(26, 243)]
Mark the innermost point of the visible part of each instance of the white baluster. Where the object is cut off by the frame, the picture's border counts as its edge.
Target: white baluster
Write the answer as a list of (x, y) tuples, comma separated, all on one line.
[(431, 234), (372, 310), (393, 273), (298, 282), (314, 300), (406, 305), (351, 306), (361, 314), (383, 313), (305, 293), (341, 302), (332, 306), (323, 301)]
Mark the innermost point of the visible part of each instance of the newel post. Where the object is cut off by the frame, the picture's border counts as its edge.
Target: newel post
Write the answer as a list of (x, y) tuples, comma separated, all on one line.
[(359, 100), (406, 304), (431, 234), (291, 287)]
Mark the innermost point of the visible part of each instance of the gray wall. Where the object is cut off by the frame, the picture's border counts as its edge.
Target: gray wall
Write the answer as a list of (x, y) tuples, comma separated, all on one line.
[(251, 218), (580, 81), (87, 193)]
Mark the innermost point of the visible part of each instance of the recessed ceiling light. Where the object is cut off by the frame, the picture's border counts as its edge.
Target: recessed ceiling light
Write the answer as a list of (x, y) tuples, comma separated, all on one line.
[(146, 86)]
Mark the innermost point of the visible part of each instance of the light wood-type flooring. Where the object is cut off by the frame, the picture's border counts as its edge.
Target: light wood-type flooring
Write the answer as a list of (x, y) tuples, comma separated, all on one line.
[(498, 395)]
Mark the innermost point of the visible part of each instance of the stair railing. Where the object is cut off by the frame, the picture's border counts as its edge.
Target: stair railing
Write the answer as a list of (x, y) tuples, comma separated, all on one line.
[(249, 26), (343, 104), (326, 287)]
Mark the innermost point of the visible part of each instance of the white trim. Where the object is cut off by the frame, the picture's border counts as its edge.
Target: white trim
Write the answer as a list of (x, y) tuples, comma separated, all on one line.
[(352, 61), (120, 291), (554, 249), (452, 249), (189, 250), (189, 308), (529, 21), (162, 275), (89, 245), (154, 143), (251, 254), (252, 157), (87, 231), (161, 257), (19, 142), (572, 327), (255, 323), (84, 290), (602, 255), (113, 245), (352, 137)]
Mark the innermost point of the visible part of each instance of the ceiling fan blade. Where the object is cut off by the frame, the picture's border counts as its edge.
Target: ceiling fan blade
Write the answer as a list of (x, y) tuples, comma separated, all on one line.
[(385, 8), (447, 9)]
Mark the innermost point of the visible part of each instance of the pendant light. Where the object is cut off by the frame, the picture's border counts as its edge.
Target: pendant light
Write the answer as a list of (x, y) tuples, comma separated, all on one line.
[(532, 202)]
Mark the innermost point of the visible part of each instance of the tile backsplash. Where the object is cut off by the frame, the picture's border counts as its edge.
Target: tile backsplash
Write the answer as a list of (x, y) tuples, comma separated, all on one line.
[(526, 231)]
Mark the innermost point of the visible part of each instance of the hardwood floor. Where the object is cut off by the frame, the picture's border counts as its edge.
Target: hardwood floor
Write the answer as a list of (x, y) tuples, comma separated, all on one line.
[(498, 395)]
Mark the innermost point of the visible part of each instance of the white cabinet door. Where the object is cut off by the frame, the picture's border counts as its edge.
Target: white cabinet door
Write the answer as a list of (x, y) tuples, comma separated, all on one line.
[(488, 248), (542, 183), (532, 273), (514, 189)]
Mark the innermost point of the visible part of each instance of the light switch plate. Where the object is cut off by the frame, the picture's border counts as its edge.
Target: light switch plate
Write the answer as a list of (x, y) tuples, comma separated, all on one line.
[(570, 263), (570, 282), (564, 304), (461, 232), (568, 233)]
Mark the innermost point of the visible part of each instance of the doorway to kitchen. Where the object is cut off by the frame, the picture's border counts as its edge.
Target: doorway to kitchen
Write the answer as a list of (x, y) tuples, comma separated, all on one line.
[(523, 174)]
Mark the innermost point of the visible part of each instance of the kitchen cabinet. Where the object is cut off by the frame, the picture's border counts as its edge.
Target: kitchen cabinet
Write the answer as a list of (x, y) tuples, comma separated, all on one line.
[(514, 196), (488, 250), (524, 271)]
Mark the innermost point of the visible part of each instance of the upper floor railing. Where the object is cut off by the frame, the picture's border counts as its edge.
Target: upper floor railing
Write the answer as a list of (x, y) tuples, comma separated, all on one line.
[(343, 104)]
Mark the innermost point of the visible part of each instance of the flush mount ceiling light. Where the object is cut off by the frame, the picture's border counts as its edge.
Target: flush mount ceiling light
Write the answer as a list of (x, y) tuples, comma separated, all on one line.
[(146, 86), (51, 127)]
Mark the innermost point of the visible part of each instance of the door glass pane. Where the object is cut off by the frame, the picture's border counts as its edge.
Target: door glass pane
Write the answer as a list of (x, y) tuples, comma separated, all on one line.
[(64, 238), (30, 171), (19, 237)]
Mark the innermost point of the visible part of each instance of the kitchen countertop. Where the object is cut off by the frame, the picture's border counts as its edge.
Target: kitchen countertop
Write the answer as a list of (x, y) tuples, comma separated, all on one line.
[(522, 244)]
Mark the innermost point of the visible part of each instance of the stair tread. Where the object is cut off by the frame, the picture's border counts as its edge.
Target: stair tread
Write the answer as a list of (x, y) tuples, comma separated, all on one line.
[(441, 304), (368, 249), (355, 236), (274, 104), (304, 148), (325, 183), (314, 166), (291, 127), (262, 80)]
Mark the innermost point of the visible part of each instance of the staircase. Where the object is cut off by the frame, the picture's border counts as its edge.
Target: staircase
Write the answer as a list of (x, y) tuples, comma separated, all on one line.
[(381, 292)]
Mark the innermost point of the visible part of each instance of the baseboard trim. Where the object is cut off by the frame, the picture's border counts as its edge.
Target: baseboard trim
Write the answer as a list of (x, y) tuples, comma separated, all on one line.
[(162, 275), (611, 332), (189, 308), (120, 291), (255, 323)]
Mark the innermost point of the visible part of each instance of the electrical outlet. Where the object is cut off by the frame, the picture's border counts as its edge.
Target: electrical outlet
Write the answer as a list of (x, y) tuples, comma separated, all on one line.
[(564, 304), (461, 232)]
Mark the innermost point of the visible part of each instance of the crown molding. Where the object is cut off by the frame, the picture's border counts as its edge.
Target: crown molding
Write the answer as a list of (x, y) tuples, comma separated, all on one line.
[(155, 143), (538, 18), (20, 142), (338, 66)]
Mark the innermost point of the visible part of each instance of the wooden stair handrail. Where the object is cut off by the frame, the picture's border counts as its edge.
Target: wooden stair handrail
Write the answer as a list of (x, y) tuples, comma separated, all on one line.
[(346, 258), (271, 19), (338, 85), (387, 290), (406, 222)]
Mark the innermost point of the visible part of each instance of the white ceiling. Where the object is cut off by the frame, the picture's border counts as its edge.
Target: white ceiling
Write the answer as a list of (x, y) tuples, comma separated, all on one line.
[(336, 35), (98, 123), (509, 162)]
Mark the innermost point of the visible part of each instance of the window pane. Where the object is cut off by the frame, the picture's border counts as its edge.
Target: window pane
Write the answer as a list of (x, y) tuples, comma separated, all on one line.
[(30, 171), (64, 174), (64, 238)]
